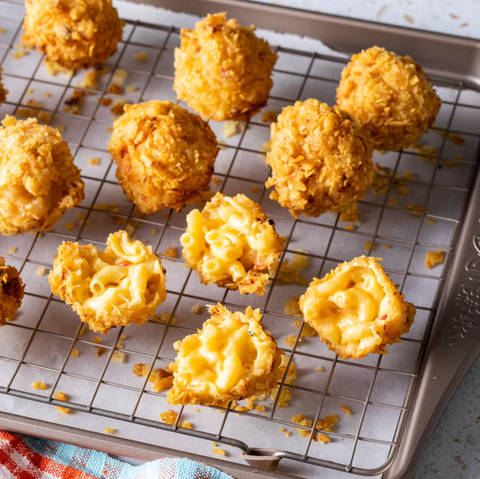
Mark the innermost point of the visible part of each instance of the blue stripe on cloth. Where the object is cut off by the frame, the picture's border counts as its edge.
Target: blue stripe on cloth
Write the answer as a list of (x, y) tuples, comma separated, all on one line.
[(102, 466)]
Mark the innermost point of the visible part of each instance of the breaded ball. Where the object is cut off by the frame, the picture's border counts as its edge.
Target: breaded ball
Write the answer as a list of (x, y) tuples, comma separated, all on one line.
[(38, 180), (232, 243), (116, 287), (11, 292), (230, 358), (3, 92), (356, 309), (321, 159), (73, 34), (222, 69), (164, 155), (390, 96)]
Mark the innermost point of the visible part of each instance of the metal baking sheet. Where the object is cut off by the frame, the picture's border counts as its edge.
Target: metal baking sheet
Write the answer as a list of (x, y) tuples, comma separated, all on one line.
[(386, 393)]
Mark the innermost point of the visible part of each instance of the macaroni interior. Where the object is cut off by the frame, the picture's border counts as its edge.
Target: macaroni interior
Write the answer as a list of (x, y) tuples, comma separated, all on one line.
[(231, 243), (230, 358), (121, 285), (356, 309)]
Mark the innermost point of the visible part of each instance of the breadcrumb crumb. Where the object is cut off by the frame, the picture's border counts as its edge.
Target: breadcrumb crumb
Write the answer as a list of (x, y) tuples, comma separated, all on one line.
[(19, 54), (220, 452), (254, 189), (141, 56), (12, 250), (259, 408), (97, 340), (196, 409), (319, 369), (196, 309), (169, 417), (291, 308), (290, 340), (214, 444), (187, 425), (131, 89), (100, 351), (231, 128), (170, 252), (368, 245), (61, 397), (430, 221), (432, 258), (350, 228), (346, 409), (94, 161), (69, 226), (39, 385), (118, 357), (109, 430), (75, 353), (269, 116), (41, 271)]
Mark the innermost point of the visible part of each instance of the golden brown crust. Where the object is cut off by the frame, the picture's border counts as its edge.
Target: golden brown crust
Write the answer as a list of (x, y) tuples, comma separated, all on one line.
[(256, 365), (165, 155), (73, 34), (320, 158), (395, 315), (390, 96), (222, 70), (121, 302), (11, 292), (238, 224), (38, 180)]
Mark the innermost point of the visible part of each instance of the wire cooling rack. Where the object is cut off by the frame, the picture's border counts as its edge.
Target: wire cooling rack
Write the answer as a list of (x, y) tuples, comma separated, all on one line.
[(419, 204)]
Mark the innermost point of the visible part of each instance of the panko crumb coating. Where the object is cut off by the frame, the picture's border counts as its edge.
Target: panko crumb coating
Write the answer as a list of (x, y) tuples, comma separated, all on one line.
[(230, 358), (223, 70), (116, 287), (232, 243), (38, 179), (321, 159), (3, 92), (356, 309), (73, 34), (164, 155), (390, 96), (11, 292)]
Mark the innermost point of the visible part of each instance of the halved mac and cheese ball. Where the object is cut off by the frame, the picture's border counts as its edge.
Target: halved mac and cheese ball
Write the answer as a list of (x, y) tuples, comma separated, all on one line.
[(116, 287), (11, 292), (223, 70), (232, 243), (164, 155), (38, 180), (390, 96), (73, 34), (231, 358), (321, 159), (356, 309)]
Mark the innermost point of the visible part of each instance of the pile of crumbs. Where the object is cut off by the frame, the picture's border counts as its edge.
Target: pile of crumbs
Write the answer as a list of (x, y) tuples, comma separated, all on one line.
[(170, 252), (432, 258), (287, 433), (161, 379), (286, 394), (61, 397), (325, 424), (169, 417), (290, 269)]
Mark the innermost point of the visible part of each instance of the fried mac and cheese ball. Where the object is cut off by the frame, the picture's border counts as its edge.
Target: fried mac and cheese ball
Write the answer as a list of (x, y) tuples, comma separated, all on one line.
[(232, 243), (222, 69), (73, 34), (390, 96), (356, 309), (116, 287), (38, 180), (321, 159), (164, 155), (230, 358), (11, 292)]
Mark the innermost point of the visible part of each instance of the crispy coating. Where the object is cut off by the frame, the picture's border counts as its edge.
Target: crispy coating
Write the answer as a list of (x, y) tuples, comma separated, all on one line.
[(38, 180), (116, 287), (165, 155), (321, 159), (390, 96), (73, 34), (3, 92), (232, 243), (11, 292), (222, 69), (230, 358), (356, 309)]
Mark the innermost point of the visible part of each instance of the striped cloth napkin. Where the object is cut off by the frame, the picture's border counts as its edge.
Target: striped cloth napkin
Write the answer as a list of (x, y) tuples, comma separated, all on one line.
[(25, 457)]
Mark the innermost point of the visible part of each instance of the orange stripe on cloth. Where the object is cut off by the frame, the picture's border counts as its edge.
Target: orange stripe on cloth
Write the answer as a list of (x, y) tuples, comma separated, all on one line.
[(36, 464)]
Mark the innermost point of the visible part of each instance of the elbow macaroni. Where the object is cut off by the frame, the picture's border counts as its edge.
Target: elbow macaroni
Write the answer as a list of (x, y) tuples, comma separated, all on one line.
[(357, 309), (121, 285), (231, 243), (230, 358)]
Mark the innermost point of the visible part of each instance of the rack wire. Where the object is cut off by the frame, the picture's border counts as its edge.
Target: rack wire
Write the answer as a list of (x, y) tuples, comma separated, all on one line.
[(413, 213)]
